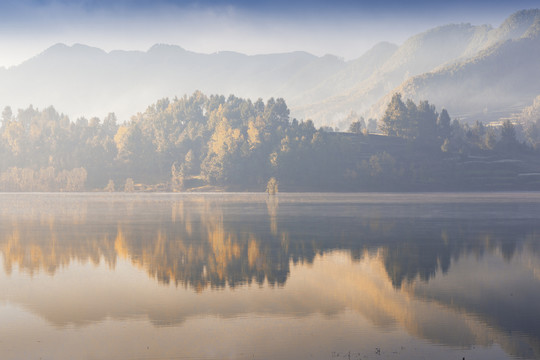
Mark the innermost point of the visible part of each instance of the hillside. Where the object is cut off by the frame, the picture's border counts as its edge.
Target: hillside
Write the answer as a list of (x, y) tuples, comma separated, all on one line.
[(494, 83), (210, 143), (418, 55), (87, 81), (530, 113), (476, 72)]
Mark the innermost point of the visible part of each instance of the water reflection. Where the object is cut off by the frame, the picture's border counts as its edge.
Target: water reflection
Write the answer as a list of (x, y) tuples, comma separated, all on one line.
[(197, 242), (461, 271)]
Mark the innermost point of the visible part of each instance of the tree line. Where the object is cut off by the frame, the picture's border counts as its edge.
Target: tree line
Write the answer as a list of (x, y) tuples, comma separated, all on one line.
[(214, 142)]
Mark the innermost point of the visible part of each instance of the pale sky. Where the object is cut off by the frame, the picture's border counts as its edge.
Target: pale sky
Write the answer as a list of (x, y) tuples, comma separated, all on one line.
[(345, 28)]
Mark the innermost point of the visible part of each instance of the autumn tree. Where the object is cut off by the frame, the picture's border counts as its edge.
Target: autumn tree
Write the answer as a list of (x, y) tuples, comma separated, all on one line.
[(129, 186), (393, 122), (110, 186)]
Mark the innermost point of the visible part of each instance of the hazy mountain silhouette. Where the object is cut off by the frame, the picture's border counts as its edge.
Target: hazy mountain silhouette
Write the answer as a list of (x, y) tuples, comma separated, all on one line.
[(419, 54), (476, 72), (86, 81), (495, 82)]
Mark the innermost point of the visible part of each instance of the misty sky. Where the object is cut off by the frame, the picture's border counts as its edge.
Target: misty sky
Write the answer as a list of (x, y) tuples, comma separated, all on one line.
[(345, 28)]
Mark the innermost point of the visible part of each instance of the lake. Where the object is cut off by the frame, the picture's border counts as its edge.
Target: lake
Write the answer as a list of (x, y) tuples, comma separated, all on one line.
[(252, 276)]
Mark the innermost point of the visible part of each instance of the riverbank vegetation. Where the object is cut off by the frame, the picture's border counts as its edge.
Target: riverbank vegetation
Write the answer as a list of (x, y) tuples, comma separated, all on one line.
[(212, 143)]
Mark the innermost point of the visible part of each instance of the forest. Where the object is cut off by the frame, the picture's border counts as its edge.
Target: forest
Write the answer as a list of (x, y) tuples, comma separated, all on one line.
[(218, 143)]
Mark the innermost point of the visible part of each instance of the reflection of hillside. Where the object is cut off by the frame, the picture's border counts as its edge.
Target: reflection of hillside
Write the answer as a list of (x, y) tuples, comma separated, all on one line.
[(392, 264), (202, 241), (419, 250), (203, 251), (369, 290), (38, 234), (502, 292), (185, 242), (332, 285)]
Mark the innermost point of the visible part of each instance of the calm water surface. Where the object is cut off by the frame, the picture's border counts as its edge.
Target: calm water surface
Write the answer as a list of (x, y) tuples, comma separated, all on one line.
[(247, 276)]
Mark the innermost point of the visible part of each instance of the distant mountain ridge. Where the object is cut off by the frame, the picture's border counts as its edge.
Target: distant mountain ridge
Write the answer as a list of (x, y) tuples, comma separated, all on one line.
[(87, 81), (498, 81), (476, 72)]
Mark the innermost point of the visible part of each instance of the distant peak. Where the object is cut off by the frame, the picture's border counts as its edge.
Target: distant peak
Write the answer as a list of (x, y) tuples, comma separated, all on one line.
[(228, 52), (379, 49), (290, 54), (83, 46), (525, 14), (383, 45), (448, 28), (331, 57), (165, 47), (520, 24), (522, 18), (57, 47), (62, 49)]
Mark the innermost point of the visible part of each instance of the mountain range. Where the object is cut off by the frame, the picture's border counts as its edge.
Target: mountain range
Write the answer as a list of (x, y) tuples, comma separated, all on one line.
[(475, 72)]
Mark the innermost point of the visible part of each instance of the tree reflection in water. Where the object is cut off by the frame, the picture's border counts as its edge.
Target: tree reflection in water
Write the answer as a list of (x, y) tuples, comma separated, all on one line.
[(213, 241)]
